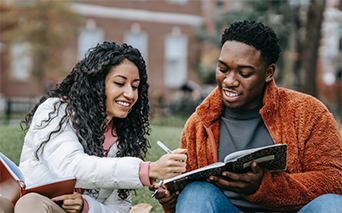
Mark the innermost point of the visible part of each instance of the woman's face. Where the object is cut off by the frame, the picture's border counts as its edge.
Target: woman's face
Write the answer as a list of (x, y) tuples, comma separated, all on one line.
[(121, 89)]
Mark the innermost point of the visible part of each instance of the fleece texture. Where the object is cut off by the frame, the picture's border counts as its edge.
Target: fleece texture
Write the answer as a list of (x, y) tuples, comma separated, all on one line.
[(314, 158)]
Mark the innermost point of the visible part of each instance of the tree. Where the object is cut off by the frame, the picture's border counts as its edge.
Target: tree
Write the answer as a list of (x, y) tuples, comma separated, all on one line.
[(277, 14), (45, 25), (310, 46), (284, 18)]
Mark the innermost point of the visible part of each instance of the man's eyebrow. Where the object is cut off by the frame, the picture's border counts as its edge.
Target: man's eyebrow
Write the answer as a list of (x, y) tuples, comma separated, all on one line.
[(246, 66), (221, 62), (240, 66)]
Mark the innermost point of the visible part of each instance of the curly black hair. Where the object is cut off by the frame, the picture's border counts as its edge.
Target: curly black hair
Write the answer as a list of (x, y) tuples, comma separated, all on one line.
[(84, 92), (255, 34)]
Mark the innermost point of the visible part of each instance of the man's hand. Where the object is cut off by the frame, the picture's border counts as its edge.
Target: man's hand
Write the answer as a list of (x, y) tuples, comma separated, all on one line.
[(164, 197), (246, 183), (72, 203)]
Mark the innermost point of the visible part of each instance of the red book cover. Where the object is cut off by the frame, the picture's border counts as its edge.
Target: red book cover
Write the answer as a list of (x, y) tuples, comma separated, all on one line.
[(12, 183)]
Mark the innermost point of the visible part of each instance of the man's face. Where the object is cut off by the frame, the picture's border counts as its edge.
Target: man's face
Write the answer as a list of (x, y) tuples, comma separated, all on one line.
[(241, 75)]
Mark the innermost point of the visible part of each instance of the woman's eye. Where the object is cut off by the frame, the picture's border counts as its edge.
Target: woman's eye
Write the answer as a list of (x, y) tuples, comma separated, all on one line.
[(118, 83)]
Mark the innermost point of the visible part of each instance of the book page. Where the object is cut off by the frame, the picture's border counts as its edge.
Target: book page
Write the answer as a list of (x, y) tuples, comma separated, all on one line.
[(240, 153), (271, 157), (12, 168)]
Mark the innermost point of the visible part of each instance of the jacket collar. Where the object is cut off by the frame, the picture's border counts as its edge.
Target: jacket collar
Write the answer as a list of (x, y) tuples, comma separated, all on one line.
[(270, 99), (211, 108)]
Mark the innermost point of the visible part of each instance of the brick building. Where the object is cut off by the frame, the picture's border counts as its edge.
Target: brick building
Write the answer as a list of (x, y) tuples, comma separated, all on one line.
[(164, 31)]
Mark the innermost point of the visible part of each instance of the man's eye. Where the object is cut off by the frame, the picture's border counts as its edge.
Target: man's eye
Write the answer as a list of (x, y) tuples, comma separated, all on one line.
[(245, 75), (224, 70)]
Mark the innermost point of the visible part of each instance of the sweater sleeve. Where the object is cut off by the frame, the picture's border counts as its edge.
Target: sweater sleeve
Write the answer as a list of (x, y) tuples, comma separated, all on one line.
[(144, 174), (85, 206), (314, 163)]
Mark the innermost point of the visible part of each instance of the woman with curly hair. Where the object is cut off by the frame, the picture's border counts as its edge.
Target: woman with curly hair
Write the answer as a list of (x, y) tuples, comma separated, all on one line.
[(93, 125)]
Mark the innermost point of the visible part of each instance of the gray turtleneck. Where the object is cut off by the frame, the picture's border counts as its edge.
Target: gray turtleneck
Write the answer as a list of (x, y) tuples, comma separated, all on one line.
[(241, 129)]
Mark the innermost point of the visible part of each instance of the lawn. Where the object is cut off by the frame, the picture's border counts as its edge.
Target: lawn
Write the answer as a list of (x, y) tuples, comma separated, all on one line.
[(11, 140)]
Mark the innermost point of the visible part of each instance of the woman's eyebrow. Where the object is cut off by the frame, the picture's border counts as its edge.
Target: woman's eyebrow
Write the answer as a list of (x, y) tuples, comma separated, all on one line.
[(124, 77), (121, 76)]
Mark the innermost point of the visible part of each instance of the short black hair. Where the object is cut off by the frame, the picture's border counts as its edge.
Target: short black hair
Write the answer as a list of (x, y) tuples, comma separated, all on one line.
[(257, 35)]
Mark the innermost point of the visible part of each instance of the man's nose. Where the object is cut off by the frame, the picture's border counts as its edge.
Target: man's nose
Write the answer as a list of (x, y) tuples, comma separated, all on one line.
[(230, 80)]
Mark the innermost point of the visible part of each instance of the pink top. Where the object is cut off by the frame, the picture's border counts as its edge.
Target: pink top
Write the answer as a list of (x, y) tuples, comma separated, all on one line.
[(143, 169)]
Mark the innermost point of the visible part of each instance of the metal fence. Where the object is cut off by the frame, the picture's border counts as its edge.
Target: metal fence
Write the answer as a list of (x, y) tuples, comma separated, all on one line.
[(15, 106)]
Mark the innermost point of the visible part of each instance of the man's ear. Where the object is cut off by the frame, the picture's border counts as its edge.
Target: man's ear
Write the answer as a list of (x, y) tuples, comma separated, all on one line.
[(269, 73)]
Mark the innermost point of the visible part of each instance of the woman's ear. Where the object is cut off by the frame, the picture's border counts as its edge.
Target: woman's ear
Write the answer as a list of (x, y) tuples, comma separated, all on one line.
[(269, 73)]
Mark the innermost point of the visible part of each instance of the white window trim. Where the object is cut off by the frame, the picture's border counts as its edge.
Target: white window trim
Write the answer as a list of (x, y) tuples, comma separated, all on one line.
[(136, 29), (136, 15), (175, 33)]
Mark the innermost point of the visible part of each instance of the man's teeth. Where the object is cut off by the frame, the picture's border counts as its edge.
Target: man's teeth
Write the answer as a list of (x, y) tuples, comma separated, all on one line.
[(123, 103), (229, 94)]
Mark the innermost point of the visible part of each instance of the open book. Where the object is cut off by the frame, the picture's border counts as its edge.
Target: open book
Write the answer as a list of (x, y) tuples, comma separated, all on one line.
[(12, 183), (271, 157)]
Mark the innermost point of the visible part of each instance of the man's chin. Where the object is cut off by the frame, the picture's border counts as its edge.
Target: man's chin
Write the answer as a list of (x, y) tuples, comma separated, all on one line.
[(232, 105)]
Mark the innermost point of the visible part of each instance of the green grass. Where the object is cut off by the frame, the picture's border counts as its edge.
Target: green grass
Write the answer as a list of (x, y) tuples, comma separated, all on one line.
[(170, 136), (11, 140)]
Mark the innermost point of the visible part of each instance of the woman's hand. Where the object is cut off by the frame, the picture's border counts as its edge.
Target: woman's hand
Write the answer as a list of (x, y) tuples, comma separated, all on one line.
[(72, 203), (169, 165)]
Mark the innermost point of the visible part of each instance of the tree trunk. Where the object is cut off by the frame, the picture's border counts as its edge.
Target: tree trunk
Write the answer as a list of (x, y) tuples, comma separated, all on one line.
[(311, 44)]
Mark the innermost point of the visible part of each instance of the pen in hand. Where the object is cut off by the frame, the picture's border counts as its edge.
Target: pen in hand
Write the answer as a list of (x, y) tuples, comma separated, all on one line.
[(164, 147), (168, 151)]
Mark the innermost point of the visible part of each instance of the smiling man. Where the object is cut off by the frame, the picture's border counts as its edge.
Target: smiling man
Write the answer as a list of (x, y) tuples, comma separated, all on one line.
[(247, 110)]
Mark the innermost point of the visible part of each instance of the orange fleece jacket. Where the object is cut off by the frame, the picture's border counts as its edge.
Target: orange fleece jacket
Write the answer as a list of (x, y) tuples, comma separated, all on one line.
[(299, 120)]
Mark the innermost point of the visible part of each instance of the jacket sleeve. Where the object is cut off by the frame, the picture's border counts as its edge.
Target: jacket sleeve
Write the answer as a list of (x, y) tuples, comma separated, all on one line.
[(314, 163), (64, 156), (123, 206)]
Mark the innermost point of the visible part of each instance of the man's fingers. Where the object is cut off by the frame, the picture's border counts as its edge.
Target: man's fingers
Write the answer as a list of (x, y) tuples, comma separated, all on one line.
[(256, 168), (168, 200)]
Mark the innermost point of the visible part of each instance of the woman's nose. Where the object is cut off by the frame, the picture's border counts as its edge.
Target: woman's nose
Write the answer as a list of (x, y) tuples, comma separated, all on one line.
[(129, 93)]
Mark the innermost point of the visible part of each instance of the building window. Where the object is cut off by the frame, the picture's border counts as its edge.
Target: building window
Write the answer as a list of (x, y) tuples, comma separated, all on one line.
[(21, 61), (236, 5), (89, 37), (177, 1), (175, 60), (219, 4), (340, 40), (205, 5), (137, 39)]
